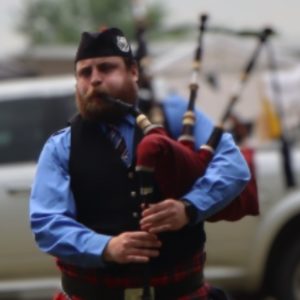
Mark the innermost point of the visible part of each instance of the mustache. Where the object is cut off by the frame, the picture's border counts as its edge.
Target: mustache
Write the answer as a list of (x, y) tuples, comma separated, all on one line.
[(111, 101), (96, 92), (107, 98)]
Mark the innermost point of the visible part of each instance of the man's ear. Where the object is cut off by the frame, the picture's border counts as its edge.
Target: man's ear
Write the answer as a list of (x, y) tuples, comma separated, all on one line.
[(135, 72)]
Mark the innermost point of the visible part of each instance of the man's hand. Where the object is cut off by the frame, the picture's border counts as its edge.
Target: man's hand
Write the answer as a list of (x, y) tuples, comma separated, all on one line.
[(168, 215), (132, 247)]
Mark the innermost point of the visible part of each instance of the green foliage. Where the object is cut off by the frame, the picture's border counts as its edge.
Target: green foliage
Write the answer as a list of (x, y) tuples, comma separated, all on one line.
[(62, 21)]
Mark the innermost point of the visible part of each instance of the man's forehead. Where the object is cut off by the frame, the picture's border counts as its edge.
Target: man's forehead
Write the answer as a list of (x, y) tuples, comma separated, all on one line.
[(98, 60)]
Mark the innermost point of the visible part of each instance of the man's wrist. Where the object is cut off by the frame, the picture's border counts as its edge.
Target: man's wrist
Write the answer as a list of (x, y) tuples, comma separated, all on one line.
[(191, 211)]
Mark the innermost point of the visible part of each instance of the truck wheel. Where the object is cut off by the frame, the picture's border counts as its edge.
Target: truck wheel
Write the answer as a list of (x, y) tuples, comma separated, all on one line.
[(286, 276)]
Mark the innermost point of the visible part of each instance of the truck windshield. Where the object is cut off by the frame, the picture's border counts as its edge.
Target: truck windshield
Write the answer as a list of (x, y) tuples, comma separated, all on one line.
[(25, 125)]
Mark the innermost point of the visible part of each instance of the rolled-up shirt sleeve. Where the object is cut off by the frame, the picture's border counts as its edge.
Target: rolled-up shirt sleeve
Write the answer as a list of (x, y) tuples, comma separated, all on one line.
[(224, 179), (226, 175), (53, 213)]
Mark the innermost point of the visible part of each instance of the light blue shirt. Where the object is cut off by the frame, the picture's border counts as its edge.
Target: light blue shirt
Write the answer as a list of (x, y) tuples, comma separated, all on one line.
[(52, 206)]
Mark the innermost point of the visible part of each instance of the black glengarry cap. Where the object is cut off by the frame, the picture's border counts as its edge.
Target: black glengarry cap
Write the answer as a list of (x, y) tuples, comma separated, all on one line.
[(108, 42)]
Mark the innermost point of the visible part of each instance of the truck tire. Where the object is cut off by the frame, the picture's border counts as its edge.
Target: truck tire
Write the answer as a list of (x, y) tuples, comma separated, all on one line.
[(286, 277)]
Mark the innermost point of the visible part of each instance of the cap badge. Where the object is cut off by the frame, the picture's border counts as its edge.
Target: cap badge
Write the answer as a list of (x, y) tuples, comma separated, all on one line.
[(122, 44)]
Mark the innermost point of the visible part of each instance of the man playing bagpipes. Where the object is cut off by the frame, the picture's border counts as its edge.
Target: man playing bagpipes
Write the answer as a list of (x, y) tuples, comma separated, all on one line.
[(85, 208)]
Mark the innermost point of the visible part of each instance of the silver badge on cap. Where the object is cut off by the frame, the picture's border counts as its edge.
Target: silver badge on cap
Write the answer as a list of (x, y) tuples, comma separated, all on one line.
[(122, 44)]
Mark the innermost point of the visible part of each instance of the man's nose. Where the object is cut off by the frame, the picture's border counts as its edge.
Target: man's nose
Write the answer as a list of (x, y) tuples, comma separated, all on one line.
[(96, 78)]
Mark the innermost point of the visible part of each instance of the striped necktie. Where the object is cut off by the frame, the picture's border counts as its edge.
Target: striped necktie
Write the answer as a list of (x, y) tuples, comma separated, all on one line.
[(118, 142)]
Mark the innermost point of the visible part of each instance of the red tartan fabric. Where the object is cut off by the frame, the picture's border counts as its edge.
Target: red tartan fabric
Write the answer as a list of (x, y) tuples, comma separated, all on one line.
[(173, 276)]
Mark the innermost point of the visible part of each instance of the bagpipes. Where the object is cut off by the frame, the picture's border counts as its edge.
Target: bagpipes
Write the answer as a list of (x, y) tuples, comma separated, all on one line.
[(176, 165), (146, 90), (147, 103)]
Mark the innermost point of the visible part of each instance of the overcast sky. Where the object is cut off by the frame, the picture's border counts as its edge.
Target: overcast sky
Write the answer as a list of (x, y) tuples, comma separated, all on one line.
[(283, 15)]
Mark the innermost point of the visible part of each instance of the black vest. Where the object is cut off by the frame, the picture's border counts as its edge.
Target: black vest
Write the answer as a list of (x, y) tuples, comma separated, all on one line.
[(106, 193)]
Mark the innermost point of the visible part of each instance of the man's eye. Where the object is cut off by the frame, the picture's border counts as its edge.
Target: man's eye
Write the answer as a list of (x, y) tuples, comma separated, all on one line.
[(85, 73), (106, 67)]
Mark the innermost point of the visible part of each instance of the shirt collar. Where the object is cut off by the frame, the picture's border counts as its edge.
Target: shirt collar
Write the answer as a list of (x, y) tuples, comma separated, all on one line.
[(128, 120)]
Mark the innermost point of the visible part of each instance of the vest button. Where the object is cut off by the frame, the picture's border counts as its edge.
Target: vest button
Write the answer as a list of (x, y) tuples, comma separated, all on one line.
[(135, 214), (133, 194), (130, 175)]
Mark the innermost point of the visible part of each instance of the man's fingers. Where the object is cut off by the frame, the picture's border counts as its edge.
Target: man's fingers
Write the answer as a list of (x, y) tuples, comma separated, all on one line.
[(137, 259), (143, 256), (159, 225), (145, 244), (138, 255), (168, 215), (162, 228), (142, 236), (153, 208), (154, 218), (144, 253), (158, 228)]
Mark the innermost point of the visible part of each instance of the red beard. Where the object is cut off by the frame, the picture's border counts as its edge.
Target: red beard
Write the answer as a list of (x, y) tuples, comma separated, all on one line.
[(93, 106)]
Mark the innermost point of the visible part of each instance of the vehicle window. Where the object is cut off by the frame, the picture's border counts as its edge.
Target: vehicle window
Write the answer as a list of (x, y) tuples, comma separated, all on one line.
[(26, 124)]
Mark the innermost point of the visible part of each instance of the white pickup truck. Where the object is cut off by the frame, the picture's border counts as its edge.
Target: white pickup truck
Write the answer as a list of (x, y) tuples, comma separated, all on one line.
[(256, 254), (261, 254)]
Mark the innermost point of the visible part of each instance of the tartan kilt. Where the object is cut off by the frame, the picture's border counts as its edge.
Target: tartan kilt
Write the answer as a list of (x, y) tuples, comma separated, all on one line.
[(172, 276)]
